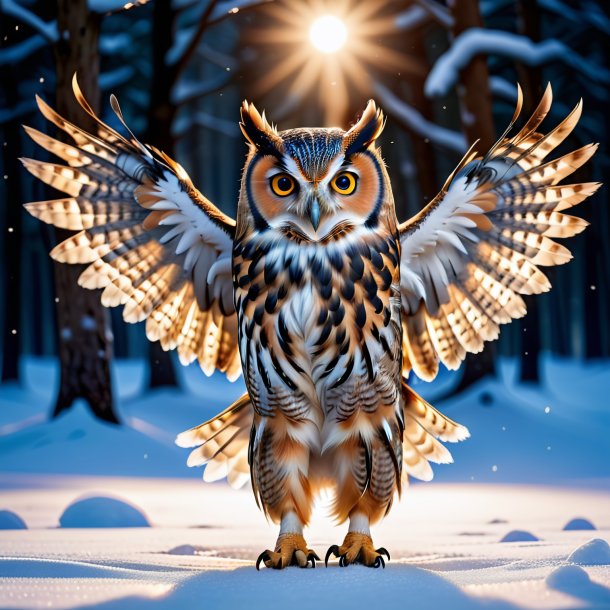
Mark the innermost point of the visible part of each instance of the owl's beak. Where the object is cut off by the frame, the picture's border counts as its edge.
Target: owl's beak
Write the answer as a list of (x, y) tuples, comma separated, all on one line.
[(314, 213)]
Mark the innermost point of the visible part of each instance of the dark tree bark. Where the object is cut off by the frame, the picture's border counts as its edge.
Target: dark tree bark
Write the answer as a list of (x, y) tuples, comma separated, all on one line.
[(11, 241), (161, 114), (84, 338), (423, 151), (473, 88)]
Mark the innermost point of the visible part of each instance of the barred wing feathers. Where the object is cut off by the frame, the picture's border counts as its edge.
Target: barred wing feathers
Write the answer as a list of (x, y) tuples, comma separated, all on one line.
[(152, 242), (221, 443), (470, 254)]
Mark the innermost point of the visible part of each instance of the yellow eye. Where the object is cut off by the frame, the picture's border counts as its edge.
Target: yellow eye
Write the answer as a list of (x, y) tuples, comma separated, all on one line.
[(344, 183), (282, 185)]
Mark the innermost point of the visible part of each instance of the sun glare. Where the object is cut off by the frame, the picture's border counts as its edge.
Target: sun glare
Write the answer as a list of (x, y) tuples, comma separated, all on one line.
[(328, 34)]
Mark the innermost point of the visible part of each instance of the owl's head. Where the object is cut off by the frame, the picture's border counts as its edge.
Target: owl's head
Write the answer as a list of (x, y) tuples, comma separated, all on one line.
[(311, 183)]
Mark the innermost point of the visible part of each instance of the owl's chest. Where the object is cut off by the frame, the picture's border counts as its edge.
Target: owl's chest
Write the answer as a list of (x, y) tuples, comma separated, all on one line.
[(306, 311)]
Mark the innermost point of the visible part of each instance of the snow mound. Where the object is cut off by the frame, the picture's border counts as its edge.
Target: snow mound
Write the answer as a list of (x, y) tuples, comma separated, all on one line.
[(189, 549), (100, 511), (576, 582), (596, 552), (11, 521), (567, 578), (578, 524), (519, 536)]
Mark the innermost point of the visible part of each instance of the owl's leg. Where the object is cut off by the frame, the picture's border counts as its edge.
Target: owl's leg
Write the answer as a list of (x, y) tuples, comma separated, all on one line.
[(279, 476), (366, 484)]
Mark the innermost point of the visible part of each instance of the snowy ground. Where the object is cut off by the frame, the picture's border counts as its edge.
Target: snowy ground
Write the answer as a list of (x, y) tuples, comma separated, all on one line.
[(538, 458)]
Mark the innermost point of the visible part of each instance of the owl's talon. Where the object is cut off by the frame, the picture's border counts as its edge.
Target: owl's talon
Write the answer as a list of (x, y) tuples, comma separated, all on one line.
[(358, 548), (383, 551), (379, 562), (290, 550), (332, 550), (264, 556)]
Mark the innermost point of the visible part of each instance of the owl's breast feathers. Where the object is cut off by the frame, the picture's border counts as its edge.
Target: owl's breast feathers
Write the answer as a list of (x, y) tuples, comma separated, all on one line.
[(319, 324)]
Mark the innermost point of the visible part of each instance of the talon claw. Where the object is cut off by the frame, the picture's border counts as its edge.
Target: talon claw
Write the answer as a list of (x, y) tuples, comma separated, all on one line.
[(333, 550), (383, 551), (379, 562), (264, 556), (312, 557), (343, 561)]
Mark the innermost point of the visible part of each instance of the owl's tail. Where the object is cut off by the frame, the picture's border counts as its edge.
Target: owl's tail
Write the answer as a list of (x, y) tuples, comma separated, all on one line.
[(423, 426), (222, 444)]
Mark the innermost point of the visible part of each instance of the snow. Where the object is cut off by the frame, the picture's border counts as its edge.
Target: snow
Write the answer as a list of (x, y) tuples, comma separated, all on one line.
[(100, 511), (444, 537), (575, 582), (579, 524), (596, 552)]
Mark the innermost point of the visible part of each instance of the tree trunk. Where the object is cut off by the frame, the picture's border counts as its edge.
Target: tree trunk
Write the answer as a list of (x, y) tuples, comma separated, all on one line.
[(160, 116), (11, 241), (477, 123), (85, 337), (473, 88)]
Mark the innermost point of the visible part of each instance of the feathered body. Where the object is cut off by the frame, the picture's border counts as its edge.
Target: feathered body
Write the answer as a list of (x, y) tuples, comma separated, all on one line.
[(320, 338), (317, 294)]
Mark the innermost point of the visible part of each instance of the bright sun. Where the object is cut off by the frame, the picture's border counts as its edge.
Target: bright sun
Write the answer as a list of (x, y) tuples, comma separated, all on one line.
[(328, 34)]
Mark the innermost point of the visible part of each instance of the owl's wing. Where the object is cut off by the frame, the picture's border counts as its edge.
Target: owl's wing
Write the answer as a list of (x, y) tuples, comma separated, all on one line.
[(468, 256), (152, 241), (221, 443)]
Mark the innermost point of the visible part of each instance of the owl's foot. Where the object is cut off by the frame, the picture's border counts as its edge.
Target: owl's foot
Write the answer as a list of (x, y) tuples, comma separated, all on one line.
[(290, 550), (358, 548)]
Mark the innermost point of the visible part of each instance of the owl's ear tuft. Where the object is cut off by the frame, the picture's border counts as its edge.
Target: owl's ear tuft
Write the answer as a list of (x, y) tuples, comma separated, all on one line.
[(365, 131), (258, 131)]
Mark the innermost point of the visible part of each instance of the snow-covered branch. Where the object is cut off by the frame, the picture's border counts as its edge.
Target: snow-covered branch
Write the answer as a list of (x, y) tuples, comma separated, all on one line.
[(478, 41), (186, 91), (203, 119), (115, 78), (18, 52), (411, 18), (415, 122), (590, 13), (503, 89), (46, 30), (438, 12), (21, 109)]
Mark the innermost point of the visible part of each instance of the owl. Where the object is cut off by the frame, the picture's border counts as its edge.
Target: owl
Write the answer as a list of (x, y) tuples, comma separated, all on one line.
[(316, 294)]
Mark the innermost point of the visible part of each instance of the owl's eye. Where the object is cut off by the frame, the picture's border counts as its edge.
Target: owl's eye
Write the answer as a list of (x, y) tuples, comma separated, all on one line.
[(282, 185), (344, 183)]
